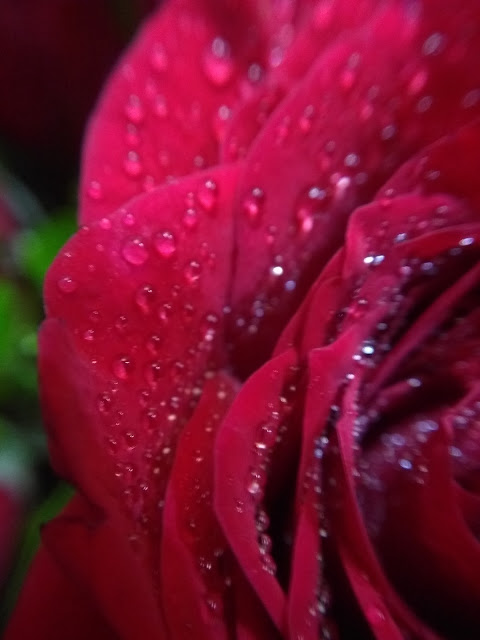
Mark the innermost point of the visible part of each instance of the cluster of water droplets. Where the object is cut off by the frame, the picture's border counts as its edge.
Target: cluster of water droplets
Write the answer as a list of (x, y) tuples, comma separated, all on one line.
[(269, 435)]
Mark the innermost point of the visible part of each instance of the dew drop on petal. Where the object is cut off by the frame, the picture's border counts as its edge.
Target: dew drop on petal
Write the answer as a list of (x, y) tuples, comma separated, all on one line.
[(190, 218), (153, 373), (134, 109), (132, 164), (165, 244), (217, 62), (104, 403), (67, 284), (253, 205), (159, 58), (192, 272), (94, 190), (144, 298), (207, 195), (122, 367), (134, 252)]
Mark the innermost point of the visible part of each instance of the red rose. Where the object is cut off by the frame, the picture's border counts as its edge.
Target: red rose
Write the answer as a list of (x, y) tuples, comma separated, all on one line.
[(327, 490)]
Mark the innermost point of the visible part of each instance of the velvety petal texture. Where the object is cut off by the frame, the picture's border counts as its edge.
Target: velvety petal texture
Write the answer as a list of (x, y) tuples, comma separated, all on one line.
[(259, 366)]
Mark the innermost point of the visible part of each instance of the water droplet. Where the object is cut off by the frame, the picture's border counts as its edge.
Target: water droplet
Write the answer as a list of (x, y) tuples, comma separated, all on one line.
[(418, 82), (192, 272), (375, 616), (433, 45), (217, 63), (190, 219), (306, 119), (276, 271), (122, 367), (207, 195), (351, 160), (160, 106), (132, 137), (424, 104), (67, 284), (165, 312), (154, 344), (134, 109), (159, 58), (94, 190), (132, 164), (165, 244), (153, 373), (89, 335), (105, 224), (135, 252), (253, 204), (104, 403), (254, 487), (130, 439), (144, 298)]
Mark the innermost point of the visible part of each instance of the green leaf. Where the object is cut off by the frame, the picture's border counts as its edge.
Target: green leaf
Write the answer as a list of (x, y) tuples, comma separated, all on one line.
[(36, 248)]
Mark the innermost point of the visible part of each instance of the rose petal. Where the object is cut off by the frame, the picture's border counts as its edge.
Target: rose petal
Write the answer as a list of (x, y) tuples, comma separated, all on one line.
[(195, 587), (52, 606), (241, 449), (69, 587), (299, 188), (164, 110), (383, 608), (121, 375), (313, 27)]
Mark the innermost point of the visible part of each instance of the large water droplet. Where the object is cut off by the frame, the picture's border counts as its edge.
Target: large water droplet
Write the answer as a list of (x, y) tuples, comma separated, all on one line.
[(135, 252)]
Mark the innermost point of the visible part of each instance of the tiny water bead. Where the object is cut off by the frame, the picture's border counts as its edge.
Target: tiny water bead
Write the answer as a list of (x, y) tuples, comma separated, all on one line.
[(144, 298), (134, 252), (253, 205), (218, 64), (159, 58), (207, 195), (134, 109), (192, 272), (132, 165), (67, 284), (94, 190)]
